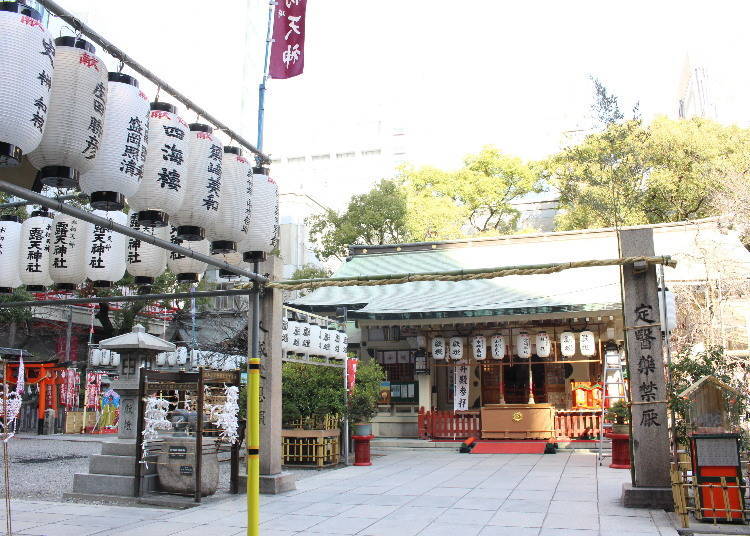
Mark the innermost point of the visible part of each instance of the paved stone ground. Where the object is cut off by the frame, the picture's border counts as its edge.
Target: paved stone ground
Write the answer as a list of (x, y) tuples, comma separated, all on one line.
[(404, 493)]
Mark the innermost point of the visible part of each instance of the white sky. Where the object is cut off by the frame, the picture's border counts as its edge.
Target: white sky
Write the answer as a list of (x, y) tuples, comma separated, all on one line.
[(455, 74)]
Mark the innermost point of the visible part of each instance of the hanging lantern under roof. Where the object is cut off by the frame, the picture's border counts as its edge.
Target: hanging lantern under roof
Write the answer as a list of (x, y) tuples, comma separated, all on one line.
[(567, 344), (200, 205), (10, 251), (69, 251), (27, 60), (498, 346), (438, 348), (146, 261), (118, 168), (543, 344), (284, 334), (33, 262), (75, 122), (315, 334), (107, 251), (162, 190), (456, 348), (262, 231), (479, 347), (187, 269), (523, 345), (230, 225), (588, 343)]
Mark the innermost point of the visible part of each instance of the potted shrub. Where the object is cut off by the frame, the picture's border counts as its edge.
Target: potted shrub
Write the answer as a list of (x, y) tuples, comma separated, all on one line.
[(619, 415), (363, 399)]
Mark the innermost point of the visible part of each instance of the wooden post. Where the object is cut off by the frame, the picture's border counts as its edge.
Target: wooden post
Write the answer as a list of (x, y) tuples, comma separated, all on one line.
[(649, 425), (199, 440)]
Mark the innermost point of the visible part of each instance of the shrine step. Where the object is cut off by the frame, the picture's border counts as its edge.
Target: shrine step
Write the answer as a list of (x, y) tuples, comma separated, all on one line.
[(106, 464), (119, 448), (110, 484)]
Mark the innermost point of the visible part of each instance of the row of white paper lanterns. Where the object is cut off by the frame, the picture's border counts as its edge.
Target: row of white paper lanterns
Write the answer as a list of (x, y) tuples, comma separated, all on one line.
[(64, 252), (312, 339), (453, 347), (100, 357), (80, 125), (176, 358)]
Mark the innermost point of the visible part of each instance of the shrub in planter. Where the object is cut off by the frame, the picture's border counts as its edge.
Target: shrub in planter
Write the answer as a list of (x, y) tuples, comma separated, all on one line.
[(363, 400), (619, 414), (310, 392)]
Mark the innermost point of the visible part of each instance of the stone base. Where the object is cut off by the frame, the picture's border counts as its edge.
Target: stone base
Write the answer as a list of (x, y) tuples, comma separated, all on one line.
[(655, 498), (271, 484)]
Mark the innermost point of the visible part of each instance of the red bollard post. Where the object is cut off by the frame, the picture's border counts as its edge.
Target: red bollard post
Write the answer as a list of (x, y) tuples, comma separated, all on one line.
[(620, 450), (362, 449)]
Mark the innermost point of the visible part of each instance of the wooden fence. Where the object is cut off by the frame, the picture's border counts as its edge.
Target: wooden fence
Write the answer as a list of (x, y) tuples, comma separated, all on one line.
[(569, 424)]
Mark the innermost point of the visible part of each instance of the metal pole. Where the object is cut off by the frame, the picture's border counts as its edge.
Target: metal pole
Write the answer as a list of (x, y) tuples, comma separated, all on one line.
[(262, 87), (253, 418), (117, 53), (14, 204), (59, 206), (139, 297), (345, 431), (193, 340)]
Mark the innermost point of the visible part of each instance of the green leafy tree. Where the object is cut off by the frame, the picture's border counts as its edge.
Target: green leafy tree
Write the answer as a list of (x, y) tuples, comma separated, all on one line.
[(376, 217), (310, 391), (311, 271), (477, 198), (629, 173), (363, 400)]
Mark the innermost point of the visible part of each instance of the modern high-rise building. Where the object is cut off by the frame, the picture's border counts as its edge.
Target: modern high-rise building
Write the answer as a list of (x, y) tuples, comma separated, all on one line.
[(694, 93)]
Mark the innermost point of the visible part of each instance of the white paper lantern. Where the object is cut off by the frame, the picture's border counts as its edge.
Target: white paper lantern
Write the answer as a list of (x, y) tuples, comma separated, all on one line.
[(567, 344), (118, 167), (107, 251), (33, 262), (233, 217), (588, 343), (69, 251), (456, 348), (162, 190), (295, 340), (306, 338), (498, 346), (523, 345), (27, 58), (115, 359), (438, 348), (10, 251), (344, 345), (95, 357), (543, 344), (171, 358), (182, 355), (326, 342), (161, 359), (315, 334), (106, 358), (200, 205), (284, 334), (75, 122), (479, 347), (187, 269), (146, 261), (262, 231)]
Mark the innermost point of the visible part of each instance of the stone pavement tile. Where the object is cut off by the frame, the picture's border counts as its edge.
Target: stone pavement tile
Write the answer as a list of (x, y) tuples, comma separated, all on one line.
[(585, 508), (427, 513), (53, 529), (199, 516), (536, 495), (488, 493), (268, 532), (431, 500), (40, 518), (565, 521), (580, 495), (239, 519), (512, 505), (103, 522), (615, 508), (149, 528), (461, 516), (76, 509), (388, 500), (370, 511), (622, 524), (213, 529), (325, 509), (127, 512), (517, 519), (538, 484), (509, 531), (292, 522), (372, 490), (479, 503), (448, 492), (391, 527), (450, 529), (568, 532), (283, 507), (341, 525), (311, 496)]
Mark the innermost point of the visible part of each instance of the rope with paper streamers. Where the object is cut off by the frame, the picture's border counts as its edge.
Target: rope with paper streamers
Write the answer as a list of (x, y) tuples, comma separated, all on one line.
[(459, 275)]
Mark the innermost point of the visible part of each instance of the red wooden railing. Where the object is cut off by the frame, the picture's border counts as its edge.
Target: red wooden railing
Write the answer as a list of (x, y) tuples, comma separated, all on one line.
[(569, 424)]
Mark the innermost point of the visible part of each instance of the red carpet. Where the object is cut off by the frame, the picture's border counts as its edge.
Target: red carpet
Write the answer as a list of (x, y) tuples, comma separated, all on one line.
[(509, 447)]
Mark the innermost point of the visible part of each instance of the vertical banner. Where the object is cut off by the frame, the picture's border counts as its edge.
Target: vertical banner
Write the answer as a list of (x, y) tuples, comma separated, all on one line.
[(351, 373), (461, 388), (93, 386), (288, 48)]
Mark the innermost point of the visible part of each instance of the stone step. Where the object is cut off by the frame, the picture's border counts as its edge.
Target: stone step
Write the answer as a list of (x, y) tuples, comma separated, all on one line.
[(105, 464), (123, 486), (118, 448)]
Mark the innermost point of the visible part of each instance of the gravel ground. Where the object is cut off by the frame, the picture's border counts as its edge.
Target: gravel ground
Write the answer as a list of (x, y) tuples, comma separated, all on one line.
[(43, 469)]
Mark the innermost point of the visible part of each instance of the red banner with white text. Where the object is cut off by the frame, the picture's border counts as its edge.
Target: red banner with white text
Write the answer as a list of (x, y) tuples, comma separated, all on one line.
[(351, 373), (288, 47)]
